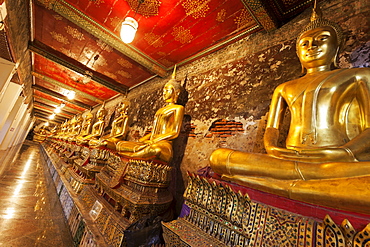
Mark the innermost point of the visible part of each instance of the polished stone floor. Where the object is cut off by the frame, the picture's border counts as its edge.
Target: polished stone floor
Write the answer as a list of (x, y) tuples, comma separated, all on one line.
[(30, 212)]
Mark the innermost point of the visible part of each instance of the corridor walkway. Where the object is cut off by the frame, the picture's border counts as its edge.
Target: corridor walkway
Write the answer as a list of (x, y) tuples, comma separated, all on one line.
[(30, 212)]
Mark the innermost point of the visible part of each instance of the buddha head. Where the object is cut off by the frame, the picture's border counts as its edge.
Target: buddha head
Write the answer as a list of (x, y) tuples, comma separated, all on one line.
[(123, 107), (88, 117), (319, 42), (172, 89), (102, 112)]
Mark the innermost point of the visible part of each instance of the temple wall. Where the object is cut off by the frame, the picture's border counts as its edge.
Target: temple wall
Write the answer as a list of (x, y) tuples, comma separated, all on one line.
[(229, 91)]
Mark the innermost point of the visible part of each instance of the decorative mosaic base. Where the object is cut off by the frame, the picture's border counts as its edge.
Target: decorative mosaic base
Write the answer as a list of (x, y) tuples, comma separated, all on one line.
[(224, 215)]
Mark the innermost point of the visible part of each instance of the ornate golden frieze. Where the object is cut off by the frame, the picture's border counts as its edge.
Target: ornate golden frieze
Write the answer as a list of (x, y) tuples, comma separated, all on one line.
[(219, 212)]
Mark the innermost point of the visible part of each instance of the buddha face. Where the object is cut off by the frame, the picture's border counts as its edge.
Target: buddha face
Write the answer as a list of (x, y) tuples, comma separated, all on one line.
[(317, 47), (168, 93)]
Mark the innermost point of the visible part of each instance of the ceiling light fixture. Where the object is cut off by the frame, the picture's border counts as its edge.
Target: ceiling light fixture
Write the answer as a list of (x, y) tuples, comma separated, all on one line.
[(52, 116), (71, 95), (129, 27)]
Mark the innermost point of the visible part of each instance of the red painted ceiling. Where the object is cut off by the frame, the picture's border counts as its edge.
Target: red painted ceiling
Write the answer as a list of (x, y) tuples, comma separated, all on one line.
[(75, 38)]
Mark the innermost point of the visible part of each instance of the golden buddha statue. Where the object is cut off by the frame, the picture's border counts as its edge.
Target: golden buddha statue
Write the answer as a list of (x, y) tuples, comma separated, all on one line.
[(86, 126), (119, 128), (166, 127), (76, 128), (329, 135), (97, 128), (68, 129)]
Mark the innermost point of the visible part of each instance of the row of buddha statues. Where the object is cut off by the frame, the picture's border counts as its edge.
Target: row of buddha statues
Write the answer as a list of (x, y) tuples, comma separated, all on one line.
[(327, 153), (166, 127)]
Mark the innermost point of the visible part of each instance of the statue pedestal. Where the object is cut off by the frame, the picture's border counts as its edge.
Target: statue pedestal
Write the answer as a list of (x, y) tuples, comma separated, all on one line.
[(99, 210), (240, 216)]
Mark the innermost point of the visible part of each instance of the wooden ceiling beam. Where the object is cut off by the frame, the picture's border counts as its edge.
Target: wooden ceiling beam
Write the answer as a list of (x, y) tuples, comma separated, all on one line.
[(39, 117), (51, 108), (47, 113), (59, 96), (50, 102), (63, 60), (62, 85)]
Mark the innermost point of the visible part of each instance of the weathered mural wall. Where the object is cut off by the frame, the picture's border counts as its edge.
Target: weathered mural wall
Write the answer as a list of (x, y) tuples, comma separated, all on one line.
[(228, 92)]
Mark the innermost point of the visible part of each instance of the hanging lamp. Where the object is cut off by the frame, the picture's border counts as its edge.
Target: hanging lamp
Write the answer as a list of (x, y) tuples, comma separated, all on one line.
[(129, 27)]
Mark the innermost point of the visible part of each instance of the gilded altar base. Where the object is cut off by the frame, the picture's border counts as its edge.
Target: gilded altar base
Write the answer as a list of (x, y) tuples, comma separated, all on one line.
[(135, 187), (229, 218)]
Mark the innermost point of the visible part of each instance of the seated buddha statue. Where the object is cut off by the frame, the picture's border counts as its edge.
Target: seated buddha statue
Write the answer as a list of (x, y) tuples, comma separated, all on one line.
[(166, 127), (329, 135), (97, 128), (119, 129), (68, 129), (76, 127), (86, 126)]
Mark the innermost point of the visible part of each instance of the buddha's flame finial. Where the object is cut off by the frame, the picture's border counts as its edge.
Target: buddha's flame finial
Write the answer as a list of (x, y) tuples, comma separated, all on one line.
[(174, 73), (316, 12)]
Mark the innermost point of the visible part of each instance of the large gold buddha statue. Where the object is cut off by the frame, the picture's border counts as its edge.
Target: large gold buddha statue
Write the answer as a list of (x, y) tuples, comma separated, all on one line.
[(119, 128), (166, 127), (327, 148)]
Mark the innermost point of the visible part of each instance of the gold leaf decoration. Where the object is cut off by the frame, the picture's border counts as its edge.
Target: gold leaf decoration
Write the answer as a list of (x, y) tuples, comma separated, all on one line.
[(161, 53), (111, 75), (59, 37), (153, 40), (166, 62), (221, 15), (147, 8), (47, 3), (124, 63), (115, 21), (196, 8), (97, 2), (182, 35), (57, 17), (243, 19), (124, 74), (75, 33), (68, 53)]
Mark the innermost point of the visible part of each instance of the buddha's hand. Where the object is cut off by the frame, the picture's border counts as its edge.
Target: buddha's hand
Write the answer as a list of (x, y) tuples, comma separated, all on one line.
[(341, 154), (140, 147)]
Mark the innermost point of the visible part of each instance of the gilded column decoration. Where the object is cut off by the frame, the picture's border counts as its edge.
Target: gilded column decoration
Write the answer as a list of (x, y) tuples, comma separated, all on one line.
[(182, 35), (196, 8)]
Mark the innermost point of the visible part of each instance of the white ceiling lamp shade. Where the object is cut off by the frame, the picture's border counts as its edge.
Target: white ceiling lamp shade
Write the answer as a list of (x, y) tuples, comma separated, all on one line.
[(71, 95), (128, 29)]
